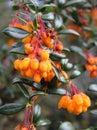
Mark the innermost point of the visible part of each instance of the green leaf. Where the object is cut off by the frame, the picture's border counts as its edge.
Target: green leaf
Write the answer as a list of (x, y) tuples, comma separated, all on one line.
[(75, 74), (27, 82), (43, 122), (73, 2), (24, 90), (94, 111), (57, 56), (66, 126), (58, 21), (15, 7), (66, 50), (12, 108), (60, 78), (69, 31), (77, 50), (37, 113), (36, 93), (18, 50), (56, 91), (61, 3), (93, 87), (16, 32), (51, 5), (48, 16)]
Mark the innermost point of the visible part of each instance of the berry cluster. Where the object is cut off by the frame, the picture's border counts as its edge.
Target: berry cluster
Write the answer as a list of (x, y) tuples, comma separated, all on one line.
[(91, 66)]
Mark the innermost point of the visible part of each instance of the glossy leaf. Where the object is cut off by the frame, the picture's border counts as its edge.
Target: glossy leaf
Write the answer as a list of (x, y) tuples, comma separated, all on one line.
[(27, 82), (51, 5), (94, 111), (16, 32), (93, 87), (18, 50), (43, 122), (77, 50), (37, 113), (73, 2), (58, 21), (24, 90), (48, 16), (66, 126), (57, 91), (57, 56), (12, 108), (36, 93), (69, 31), (75, 74), (60, 78)]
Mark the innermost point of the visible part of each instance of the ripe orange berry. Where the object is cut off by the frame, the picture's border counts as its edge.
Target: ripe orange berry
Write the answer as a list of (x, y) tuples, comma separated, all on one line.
[(17, 64), (88, 67), (63, 102), (29, 72), (77, 109), (77, 98), (25, 63), (86, 100), (37, 77), (43, 67), (44, 54), (28, 48), (93, 73), (34, 64), (70, 106), (27, 39), (59, 46), (24, 128)]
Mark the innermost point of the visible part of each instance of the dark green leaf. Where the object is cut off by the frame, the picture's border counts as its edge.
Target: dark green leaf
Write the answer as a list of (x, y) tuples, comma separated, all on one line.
[(60, 78), (73, 2), (12, 108), (51, 5), (69, 31), (57, 91), (61, 3), (93, 87), (18, 50), (15, 7), (16, 32), (77, 50), (37, 113), (57, 56), (75, 74), (43, 122), (66, 126), (94, 111), (36, 93), (23, 90), (49, 16), (58, 21), (67, 66), (27, 82), (66, 50)]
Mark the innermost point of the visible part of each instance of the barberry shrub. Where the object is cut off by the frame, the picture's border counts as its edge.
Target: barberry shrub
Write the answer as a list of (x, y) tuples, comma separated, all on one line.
[(37, 37)]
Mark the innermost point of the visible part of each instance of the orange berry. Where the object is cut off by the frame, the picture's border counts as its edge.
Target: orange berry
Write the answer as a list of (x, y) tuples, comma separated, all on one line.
[(34, 64), (11, 41), (17, 64), (44, 74), (63, 102), (59, 46), (24, 128), (86, 100), (77, 98), (25, 63), (28, 48), (44, 54), (27, 39), (84, 108), (37, 77), (77, 109), (88, 67), (43, 67), (93, 74), (94, 16), (70, 106), (29, 72)]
